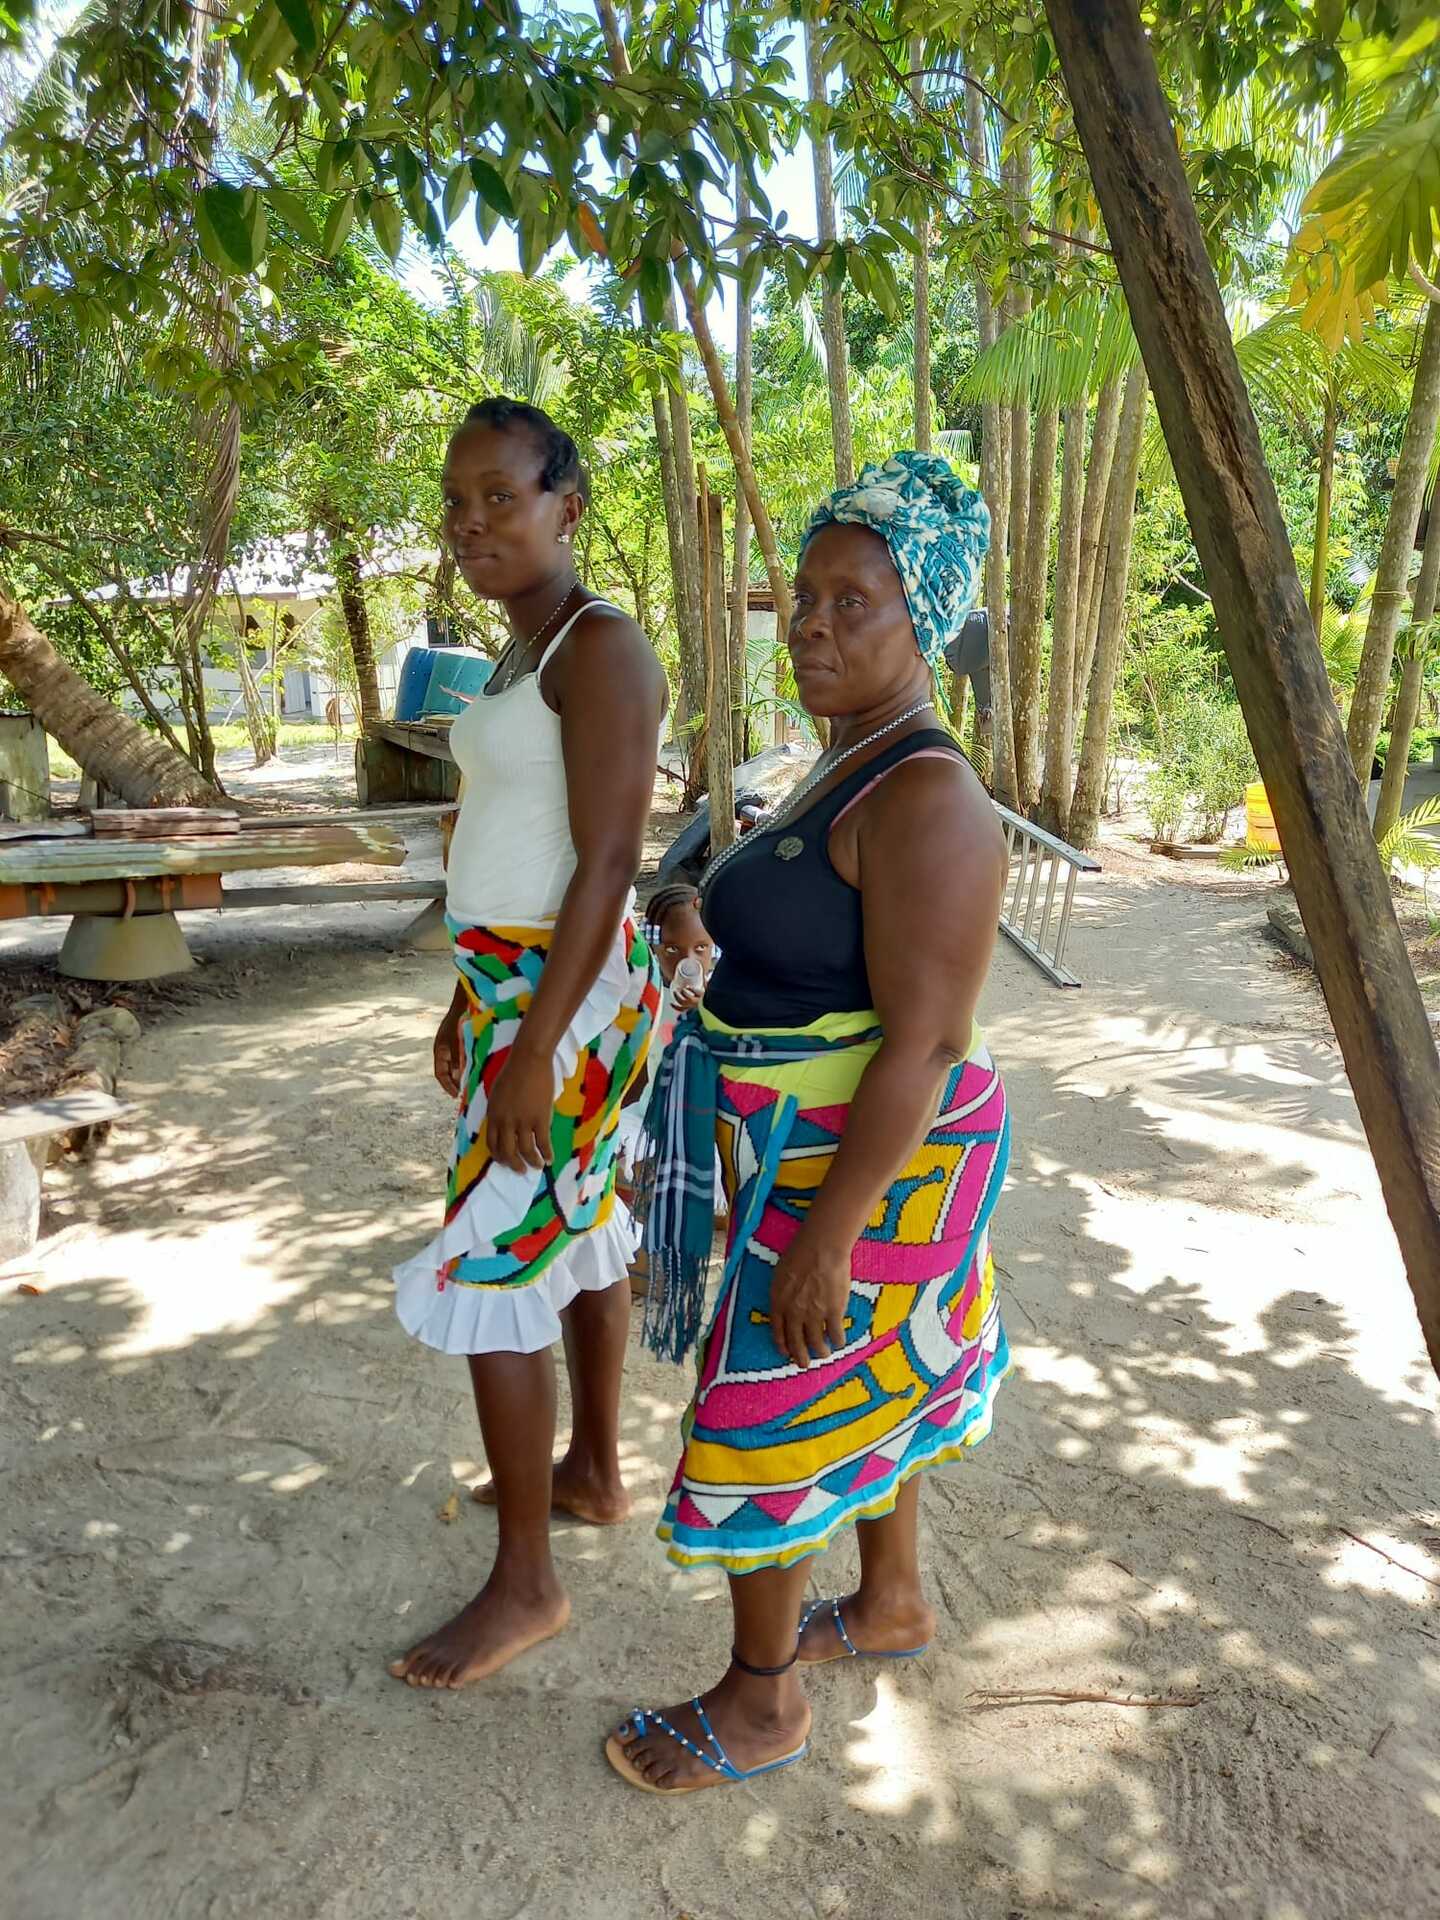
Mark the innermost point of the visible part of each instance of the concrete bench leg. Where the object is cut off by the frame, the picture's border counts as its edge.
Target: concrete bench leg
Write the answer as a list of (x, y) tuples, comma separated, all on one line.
[(427, 932), (148, 946)]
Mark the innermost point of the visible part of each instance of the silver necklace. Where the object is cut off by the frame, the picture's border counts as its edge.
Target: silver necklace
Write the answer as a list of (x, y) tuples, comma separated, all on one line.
[(518, 648), (822, 769)]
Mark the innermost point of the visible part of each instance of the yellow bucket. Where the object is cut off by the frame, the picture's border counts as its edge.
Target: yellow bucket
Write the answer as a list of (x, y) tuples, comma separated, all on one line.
[(1260, 827)]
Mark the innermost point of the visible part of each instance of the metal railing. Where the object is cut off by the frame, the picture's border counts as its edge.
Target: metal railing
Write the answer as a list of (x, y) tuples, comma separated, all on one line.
[(1027, 912)]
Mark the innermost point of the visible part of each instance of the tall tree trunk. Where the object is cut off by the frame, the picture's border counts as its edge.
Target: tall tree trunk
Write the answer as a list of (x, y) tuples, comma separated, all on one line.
[(1028, 644), (739, 452), (1412, 681), (1093, 529), (1109, 650), (1240, 536), (1016, 306), (1060, 711), (832, 306), (744, 414), (692, 628), (1320, 564), (682, 501), (924, 406), (1392, 574), (105, 742), (719, 764), (995, 430), (685, 706), (218, 448), (350, 586), (257, 722)]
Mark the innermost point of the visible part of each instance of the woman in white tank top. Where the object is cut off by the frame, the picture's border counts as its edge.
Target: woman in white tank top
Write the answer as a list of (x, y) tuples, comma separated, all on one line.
[(548, 1028)]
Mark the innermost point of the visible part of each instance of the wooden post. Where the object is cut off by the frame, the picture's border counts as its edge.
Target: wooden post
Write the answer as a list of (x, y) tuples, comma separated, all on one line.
[(719, 768), (1264, 621)]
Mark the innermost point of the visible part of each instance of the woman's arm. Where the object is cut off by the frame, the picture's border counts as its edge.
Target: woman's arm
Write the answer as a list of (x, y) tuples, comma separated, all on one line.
[(611, 693), (928, 855)]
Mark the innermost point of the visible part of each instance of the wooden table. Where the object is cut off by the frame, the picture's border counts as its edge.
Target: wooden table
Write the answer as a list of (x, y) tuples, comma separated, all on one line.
[(124, 894)]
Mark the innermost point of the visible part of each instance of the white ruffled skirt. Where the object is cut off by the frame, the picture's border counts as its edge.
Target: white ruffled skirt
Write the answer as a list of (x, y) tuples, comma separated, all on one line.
[(468, 1316)]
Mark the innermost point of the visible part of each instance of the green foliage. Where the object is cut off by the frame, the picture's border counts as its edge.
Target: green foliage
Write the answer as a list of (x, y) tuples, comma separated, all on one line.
[(1406, 845), (1204, 763)]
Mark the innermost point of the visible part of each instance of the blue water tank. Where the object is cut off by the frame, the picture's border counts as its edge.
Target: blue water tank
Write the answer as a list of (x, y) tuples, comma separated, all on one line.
[(457, 671), (414, 687)]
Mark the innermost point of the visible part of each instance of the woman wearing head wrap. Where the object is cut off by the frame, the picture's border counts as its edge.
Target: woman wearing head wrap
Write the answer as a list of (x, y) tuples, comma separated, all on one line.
[(863, 1133)]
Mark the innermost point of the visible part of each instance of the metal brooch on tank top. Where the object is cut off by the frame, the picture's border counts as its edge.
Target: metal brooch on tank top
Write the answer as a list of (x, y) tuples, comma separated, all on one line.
[(791, 847)]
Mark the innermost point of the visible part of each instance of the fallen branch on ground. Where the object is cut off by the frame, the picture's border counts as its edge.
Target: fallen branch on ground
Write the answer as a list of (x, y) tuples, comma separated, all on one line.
[(1415, 1572), (989, 1699)]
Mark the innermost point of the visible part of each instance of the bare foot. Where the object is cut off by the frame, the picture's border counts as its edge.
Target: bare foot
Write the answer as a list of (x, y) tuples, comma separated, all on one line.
[(755, 1724), (894, 1625), (576, 1491), (498, 1624)]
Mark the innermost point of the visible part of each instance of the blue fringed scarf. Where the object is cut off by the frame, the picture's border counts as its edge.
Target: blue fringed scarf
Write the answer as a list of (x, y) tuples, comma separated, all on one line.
[(677, 1194)]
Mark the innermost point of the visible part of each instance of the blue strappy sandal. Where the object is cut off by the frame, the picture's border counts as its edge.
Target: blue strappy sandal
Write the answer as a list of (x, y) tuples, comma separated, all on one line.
[(849, 1650), (717, 1760)]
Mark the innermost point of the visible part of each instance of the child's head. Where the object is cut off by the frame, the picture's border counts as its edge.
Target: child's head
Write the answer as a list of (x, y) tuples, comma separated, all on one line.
[(674, 916)]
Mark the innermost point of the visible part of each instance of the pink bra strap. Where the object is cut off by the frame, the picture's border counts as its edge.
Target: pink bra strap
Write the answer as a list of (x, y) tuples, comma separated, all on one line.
[(925, 753)]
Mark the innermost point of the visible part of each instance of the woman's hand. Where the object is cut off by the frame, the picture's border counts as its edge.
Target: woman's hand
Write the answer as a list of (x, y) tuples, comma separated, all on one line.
[(520, 1111), (808, 1297), (450, 1051)]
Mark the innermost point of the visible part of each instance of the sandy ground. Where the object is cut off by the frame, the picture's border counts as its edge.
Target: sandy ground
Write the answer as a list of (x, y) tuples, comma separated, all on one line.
[(224, 1464)]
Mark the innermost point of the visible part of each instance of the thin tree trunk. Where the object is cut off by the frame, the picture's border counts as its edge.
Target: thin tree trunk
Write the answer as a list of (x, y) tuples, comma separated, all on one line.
[(692, 626), (1320, 564), (1392, 574), (670, 493), (739, 452), (995, 485), (1027, 647), (106, 743), (1380, 1020), (1412, 682), (350, 585), (218, 446), (744, 414), (1016, 307), (1089, 795), (832, 307), (257, 723), (677, 466), (719, 766), (1093, 530), (1060, 711), (924, 410)]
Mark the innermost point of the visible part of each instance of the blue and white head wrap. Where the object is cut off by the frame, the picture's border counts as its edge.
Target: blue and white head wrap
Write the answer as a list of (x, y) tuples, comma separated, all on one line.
[(937, 530)]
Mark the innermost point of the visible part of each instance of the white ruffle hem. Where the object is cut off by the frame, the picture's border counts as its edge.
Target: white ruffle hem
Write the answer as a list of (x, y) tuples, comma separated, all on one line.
[(460, 1319)]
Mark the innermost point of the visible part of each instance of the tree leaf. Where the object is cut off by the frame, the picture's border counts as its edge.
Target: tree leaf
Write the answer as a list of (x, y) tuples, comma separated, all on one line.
[(294, 212), (226, 226), (339, 221), (389, 225), (491, 188), (458, 189), (299, 16)]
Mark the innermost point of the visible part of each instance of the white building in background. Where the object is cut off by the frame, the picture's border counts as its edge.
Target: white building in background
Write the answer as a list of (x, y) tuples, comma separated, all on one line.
[(275, 592)]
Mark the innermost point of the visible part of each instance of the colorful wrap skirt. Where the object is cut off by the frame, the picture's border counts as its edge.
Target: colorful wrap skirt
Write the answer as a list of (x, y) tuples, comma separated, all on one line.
[(778, 1458), (516, 1248)]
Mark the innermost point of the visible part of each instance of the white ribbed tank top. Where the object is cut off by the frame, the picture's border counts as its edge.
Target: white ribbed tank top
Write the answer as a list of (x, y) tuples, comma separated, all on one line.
[(511, 856)]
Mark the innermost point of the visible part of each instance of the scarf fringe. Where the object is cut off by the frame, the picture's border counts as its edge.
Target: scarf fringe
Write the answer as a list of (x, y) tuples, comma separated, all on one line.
[(675, 1303)]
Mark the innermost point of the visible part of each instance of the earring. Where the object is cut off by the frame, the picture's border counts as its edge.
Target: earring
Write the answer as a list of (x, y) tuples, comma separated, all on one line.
[(563, 538)]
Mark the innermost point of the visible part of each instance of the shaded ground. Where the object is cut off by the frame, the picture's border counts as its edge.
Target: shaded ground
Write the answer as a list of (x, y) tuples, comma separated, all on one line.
[(223, 1467)]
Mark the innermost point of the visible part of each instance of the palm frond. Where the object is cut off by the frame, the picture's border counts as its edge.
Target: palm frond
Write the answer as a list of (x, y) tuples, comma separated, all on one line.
[(1407, 845), (1056, 355)]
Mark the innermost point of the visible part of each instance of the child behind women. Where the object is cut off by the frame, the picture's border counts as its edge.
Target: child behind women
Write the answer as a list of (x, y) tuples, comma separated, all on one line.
[(687, 958)]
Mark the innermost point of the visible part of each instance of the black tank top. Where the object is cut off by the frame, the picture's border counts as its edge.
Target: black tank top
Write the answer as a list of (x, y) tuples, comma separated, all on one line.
[(790, 931)]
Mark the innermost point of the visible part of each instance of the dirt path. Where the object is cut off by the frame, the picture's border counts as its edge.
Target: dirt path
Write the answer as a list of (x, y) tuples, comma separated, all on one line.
[(223, 1469)]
